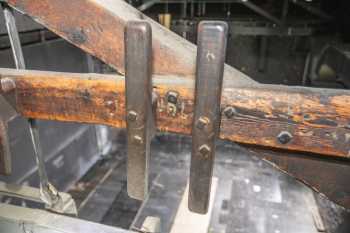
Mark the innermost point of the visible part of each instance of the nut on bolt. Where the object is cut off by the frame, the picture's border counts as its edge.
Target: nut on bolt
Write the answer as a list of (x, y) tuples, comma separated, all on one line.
[(172, 97), (202, 122), (7, 85), (284, 137), (132, 116), (229, 112), (204, 150), (138, 139)]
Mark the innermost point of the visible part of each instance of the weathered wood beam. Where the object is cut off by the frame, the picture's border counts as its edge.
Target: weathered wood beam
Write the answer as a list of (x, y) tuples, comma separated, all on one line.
[(292, 118), (97, 27), (324, 175)]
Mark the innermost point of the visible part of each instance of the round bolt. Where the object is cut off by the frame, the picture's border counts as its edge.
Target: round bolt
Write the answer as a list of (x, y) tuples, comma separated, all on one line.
[(137, 139), (7, 85), (132, 116), (204, 150), (172, 97), (202, 122), (284, 137), (229, 112)]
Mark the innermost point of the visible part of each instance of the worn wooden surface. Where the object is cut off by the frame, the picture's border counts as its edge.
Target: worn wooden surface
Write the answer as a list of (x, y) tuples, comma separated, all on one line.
[(97, 27), (317, 119), (324, 175)]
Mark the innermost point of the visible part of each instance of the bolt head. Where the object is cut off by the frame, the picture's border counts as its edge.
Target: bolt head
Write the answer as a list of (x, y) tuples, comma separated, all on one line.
[(172, 97), (138, 139), (229, 112), (284, 137), (7, 85), (204, 150), (132, 116), (202, 123)]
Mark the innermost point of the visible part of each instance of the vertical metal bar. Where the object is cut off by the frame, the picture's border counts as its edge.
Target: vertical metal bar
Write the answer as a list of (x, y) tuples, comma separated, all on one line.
[(263, 53), (34, 132), (166, 7), (192, 9), (184, 16), (204, 6), (5, 152), (261, 11), (139, 114), (199, 9), (48, 191), (212, 41), (306, 80), (184, 9), (14, 38), (285, 10)]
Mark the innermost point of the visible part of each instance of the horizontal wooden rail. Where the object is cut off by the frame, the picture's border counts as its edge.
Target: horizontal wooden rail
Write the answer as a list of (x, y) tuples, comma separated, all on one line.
[(292, 118)]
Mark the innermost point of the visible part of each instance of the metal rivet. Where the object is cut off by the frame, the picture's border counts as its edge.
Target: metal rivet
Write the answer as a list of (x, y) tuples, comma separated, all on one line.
[(229, 112), (137, 139), (202, 122), (7, 85), (132, 116), (284, 137), (204, 150), (172, 97)]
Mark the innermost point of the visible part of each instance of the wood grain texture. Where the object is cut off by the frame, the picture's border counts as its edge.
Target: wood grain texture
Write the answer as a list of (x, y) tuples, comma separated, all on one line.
[(103, 36), (327, 176), (317, 119)]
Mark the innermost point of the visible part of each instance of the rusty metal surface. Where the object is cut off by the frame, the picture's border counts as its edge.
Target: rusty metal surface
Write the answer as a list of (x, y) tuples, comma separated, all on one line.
[(50, 13), (212, 41), (139, 114)]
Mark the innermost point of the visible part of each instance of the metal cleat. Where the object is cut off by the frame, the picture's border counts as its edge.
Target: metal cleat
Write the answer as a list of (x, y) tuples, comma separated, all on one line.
[(140, 105), (212, 40)]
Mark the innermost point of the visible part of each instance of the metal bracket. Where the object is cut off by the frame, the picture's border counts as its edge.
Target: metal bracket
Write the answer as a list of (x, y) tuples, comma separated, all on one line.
[(49, 194), (140, 117), (65, 205), (212, 40)]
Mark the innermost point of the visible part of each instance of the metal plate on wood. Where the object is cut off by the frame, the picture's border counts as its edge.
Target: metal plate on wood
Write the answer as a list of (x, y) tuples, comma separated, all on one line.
[(212, 40), (5, 154), (139, 114)]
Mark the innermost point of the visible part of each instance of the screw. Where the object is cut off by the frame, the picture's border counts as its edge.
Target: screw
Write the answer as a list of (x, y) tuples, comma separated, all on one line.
[(202, 122), (204, 150), (137, 139), (7, 85), (132, 116), (229, 112), (284, 137), (172, 97)]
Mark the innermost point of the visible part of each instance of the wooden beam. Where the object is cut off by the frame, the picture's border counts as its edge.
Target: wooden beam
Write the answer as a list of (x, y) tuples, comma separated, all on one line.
[(97, 27), (326, 176), (292, 118)]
